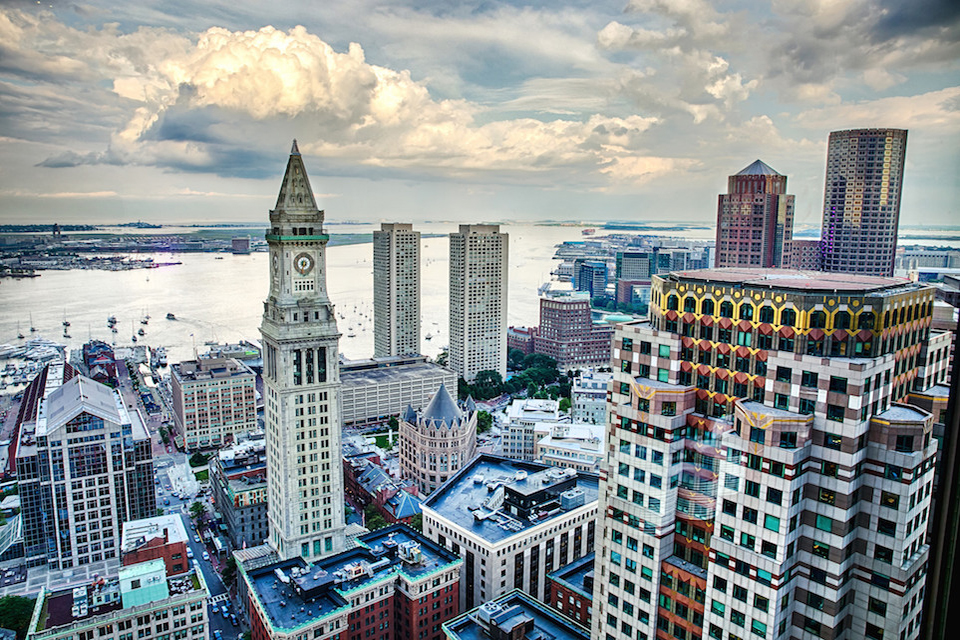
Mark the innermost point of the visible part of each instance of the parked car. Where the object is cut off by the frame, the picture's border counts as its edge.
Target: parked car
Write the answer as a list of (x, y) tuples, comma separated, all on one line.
[(189, 553), (225, 611), (217, 634), (233, 620), (196, 539), (206, 556), (166, 501)]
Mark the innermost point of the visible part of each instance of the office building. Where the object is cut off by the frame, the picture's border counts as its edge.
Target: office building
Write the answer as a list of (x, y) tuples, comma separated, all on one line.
[(396, 585), (301, 379), (374, 390), (478, 300), (590, 276), (528, 420), (84, 467), (588, 397), (570, 590), (765, 475), (573, 446), (514, 616), (755, 219), (396, 290), (238, 478), (141, 601), (160, 537), (861, 200), (567, 332), (437, 441), (214, 399), (805, 255), (635, 265), (513, 523)]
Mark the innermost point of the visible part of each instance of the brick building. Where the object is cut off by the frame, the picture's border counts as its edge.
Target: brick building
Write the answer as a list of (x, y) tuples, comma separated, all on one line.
[(160, 537)]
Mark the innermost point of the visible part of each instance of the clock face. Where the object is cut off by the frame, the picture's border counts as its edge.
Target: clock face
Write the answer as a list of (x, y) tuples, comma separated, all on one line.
[(276, 262), (303, 263)]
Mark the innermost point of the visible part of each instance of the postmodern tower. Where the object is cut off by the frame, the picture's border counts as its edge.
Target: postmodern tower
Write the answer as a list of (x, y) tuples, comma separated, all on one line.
[(755, 219), (396, 290), (478, 300), (861, 200), (301, 379)]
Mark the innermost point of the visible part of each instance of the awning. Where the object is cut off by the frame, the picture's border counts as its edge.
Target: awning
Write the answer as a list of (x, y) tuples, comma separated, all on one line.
[(815, 334), (706, 321), (762, 355), (865, 334), (722, 374), (703, 394), (685, 366), (704, 345), (703, 370), (720, 398), (840, 335), (745, 325), (688, 317), (743, 352), (740, 377), (759, 382), (786, 332), (671, 315), (687, 341), (723, 347), (725, 323), (766, 329)]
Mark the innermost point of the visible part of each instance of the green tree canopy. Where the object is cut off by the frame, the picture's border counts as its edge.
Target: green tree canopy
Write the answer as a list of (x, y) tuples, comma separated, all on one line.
[(484, 421), (15, 613)]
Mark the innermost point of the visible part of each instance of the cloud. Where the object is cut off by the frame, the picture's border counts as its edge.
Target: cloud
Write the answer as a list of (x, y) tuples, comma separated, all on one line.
[(932, 111)]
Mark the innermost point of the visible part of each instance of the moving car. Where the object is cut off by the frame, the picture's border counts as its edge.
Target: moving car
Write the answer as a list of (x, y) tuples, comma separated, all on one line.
[(225, 611), (206, 556), (189, 553), (233, 620), (196, 539)]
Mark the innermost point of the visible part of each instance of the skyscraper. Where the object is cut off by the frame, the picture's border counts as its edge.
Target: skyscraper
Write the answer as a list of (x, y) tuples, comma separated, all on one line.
[(861, 200), (396, 290), (301, 379), (590, 276), (478, 300), (766, 476), (755, 219)]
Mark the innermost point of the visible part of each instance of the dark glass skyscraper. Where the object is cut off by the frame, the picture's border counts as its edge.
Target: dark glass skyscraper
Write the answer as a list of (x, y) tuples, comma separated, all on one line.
[(861, 200)]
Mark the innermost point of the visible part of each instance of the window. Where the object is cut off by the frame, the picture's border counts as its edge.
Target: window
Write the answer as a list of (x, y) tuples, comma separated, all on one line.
[(820, 549), (781, 401), (643, 404), (718, 608), (904, 444), (832, 441), (889, 500), (883, 554), (746, 311), (784, 374), (768, 549), (838, 384), (752, 488), (730, 507), (766, 314), (827, 497), (774, 496), (809, 379), (771, 522), (748, 541), (878, 607), (726, 532), (750, 515), (758, 629), (737, 618), (663, 350), (818, 320), (807, 406), (829, 469), (873, 632), (756, 435), (663, 375), (824, 523), (788, 440), (668, 408), (627, 344), (886, 527)]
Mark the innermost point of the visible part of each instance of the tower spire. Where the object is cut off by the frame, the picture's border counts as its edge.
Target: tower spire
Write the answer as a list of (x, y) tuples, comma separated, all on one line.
[(294, 150), (295, 192)]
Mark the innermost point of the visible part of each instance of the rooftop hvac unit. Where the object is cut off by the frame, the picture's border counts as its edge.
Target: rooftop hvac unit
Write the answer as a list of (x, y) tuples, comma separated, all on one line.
[(410, 552), (572, 498), (520, 475)]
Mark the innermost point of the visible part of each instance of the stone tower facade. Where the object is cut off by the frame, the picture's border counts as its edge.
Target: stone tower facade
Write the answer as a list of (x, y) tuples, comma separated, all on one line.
[(301, 379)]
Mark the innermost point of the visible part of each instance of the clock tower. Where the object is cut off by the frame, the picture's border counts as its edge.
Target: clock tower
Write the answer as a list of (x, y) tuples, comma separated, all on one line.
[(301, 379)]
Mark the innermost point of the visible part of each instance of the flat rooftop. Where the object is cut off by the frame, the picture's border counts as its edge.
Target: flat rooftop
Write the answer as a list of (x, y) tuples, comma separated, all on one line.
[(902, 413), (294, 593), (548, 624), (467, 491), (573, 575), (210, 369), (139, 532), (793, 279), (397, 372)]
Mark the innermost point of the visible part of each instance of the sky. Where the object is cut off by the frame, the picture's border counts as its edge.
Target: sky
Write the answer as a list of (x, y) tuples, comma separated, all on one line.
[(567, 110)]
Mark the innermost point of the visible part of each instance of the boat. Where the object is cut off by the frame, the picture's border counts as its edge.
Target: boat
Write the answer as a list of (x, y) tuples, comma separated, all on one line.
[(66, 323), (141, 332), (112, 320), (19, 333), (134, 337), (32, 328), (429, 336), (351, 335), (65, 334), (170, 316), (113, 329)]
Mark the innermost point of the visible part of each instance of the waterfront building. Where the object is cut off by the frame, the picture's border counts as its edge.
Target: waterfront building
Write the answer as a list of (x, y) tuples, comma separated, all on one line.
[(214, 399), (162, 537), (99, 363), (396, 290), (805, 254), (861, 200), (636, 265), (513, 523), (373, 390), (396, 585), (588, 397), (567, 332), (240, 246), (521, 338), (528, 420), (514, 616), (84, 467), (590, 276), (570, 590), (633, 292), (915, 259), (574, 446), (766, 475), (141, 601), (301, 378), (755, 219), (437, 441), (238, 477), (478, 300)]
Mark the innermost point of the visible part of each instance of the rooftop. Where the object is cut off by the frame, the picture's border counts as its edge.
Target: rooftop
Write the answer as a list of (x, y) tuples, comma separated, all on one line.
[(903, 413), (758, 168), (210, 369), (513, 610), (534, 409), (577, 575), (294, 593), (759, 407), (469, 497), (795, 279), (442, 408), (136, 533), (382, 370)]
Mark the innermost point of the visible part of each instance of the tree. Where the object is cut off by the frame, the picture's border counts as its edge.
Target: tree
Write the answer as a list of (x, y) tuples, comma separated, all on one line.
[(565, 405), (443, 358), (488, 384), (196, 510), (393, 423), (484, 421), (515, 358), (372, 518), (229, 574), (539, 360), (15, 612), (198, 459), (416, 522)]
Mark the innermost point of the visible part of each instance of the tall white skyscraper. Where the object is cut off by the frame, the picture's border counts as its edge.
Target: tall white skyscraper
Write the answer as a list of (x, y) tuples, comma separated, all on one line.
[(301, 379), (478, 300), (396, 290)]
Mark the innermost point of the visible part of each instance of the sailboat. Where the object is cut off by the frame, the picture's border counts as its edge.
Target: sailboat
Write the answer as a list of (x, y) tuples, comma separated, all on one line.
[(66, 323), (32, 328), (134, 336), (19, 333)]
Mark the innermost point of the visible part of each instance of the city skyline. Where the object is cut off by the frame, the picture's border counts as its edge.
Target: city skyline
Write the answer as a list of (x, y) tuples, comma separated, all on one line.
[(613, 111)]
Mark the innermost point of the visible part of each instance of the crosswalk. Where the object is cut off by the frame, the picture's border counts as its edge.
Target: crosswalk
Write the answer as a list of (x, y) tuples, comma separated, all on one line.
[(223, 597)]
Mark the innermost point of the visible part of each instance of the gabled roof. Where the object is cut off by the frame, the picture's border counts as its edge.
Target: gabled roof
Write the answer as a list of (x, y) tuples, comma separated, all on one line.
[(470, 405), (295, 191), (758, 168), (404, 505), (410, 415), (442, 408), (77, 395)]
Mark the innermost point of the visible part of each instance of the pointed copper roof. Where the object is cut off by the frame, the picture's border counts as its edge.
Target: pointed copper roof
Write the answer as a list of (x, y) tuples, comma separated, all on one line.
[(442, 408), (758, 168), (295, 191)]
